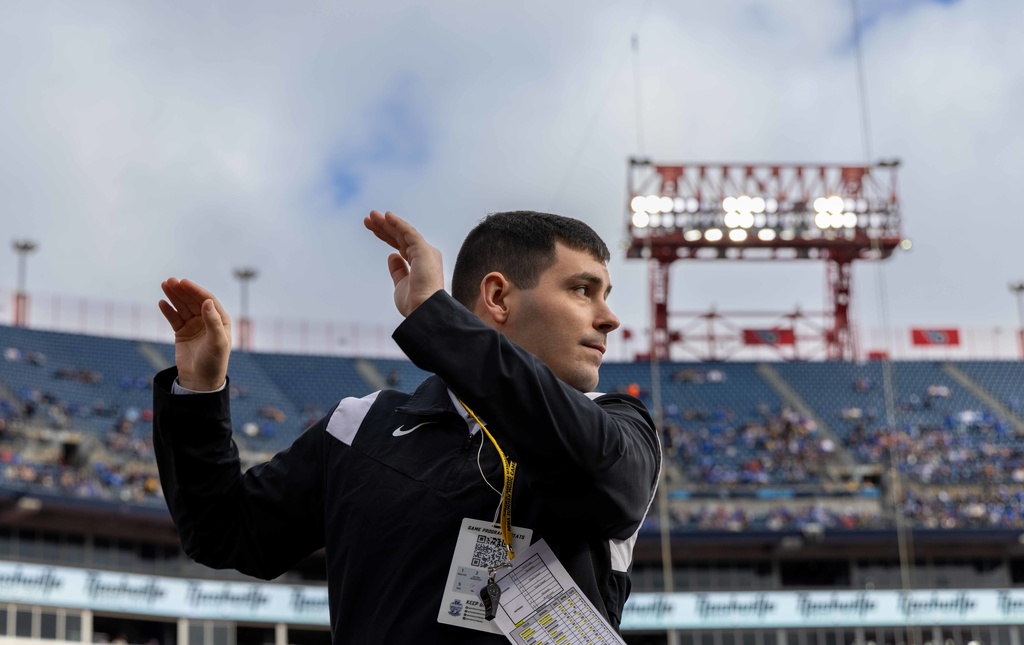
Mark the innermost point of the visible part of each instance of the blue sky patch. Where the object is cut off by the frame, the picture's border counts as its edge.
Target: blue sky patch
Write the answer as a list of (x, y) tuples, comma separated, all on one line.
[(873, 11), (392, 135)]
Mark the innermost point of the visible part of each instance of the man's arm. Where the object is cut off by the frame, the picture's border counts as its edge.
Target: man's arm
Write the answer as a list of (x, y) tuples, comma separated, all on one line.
[(597, 462), (261, 522)]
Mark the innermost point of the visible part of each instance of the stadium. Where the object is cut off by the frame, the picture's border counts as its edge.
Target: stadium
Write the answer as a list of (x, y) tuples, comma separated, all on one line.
[(795, 512), (843, 459)]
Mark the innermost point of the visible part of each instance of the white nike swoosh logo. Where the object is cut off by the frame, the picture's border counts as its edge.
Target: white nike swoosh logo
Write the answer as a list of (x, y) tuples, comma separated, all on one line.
[(401, 433)]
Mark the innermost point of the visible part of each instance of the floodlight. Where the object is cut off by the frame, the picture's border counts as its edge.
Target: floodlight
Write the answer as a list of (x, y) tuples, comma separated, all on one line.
[(836, 214), (906, 245)]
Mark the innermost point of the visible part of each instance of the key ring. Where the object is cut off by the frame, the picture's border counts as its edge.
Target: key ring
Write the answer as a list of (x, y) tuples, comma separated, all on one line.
[(494, 568)]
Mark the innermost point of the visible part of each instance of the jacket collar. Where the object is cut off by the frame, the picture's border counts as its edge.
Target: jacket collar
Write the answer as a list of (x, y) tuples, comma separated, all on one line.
[(433, 397)]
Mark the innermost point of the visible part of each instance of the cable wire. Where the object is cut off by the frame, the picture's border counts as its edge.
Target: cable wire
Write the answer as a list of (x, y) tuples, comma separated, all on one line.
[(615, 81), (904, 537)]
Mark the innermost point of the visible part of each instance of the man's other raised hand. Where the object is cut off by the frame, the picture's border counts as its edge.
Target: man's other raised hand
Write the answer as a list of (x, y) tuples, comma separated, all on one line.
[(202, 334), (416, 269)]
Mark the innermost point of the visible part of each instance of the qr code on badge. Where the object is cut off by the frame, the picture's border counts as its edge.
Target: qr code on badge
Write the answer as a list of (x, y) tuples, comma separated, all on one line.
[(488, 551)]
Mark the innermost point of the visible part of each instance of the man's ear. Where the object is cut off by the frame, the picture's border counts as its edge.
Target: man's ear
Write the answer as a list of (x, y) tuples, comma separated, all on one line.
[(493, 304)]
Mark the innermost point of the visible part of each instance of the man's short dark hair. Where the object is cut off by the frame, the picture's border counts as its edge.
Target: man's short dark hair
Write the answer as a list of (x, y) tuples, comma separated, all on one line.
[(521, 246)]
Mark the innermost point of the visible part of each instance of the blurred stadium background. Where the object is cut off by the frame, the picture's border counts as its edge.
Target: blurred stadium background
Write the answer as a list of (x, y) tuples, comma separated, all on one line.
[(824, 483), (806, 502)]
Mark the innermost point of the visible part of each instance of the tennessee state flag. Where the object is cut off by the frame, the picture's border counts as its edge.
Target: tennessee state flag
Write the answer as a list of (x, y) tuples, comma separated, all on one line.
[(947, 337), (769, 337)]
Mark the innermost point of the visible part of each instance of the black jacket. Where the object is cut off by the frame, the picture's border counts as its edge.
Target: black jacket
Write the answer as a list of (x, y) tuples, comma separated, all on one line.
[(388, 508)]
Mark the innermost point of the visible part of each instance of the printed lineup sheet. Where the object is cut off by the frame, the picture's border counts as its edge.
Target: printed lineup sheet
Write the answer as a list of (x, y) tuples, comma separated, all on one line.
[(541, 605)]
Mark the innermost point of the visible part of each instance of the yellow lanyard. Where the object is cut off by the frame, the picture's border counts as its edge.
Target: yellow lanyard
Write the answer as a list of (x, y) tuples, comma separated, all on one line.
[(508, 467)]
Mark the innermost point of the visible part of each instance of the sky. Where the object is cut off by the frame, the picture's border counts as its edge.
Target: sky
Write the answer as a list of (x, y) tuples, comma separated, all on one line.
[(144, 140)]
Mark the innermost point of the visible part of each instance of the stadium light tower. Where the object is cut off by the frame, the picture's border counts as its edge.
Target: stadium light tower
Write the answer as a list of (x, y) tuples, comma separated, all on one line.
[(1017, 288), (244, 276), (22, 248), (771, 212)]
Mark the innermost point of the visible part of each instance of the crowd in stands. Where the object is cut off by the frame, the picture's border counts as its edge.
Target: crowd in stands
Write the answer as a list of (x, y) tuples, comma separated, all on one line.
[(968, 470), (45, 448), (774, 447), (969, 448), (781, 517), (17, 355), (944, 508), (135, 482), (1000, 507)]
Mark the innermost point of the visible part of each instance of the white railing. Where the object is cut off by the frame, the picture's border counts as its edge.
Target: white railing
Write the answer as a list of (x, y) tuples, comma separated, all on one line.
[(78, 315)]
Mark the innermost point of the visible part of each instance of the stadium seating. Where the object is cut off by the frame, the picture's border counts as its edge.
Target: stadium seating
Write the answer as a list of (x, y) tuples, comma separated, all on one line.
[(744, 456)]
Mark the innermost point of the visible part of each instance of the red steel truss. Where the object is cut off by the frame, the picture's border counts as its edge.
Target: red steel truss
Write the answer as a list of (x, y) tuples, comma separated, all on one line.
[(830, 212)]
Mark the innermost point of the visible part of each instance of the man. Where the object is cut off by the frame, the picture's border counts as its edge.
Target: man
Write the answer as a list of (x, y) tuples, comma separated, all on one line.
[(384, 482)]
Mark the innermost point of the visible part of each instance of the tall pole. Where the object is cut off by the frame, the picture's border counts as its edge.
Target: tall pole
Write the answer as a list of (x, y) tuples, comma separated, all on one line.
[(22, 248), (245, 275), (660, 352), (1017, 288)]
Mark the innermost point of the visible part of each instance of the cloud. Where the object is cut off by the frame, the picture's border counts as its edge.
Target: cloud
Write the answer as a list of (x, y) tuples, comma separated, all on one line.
[(142, 140), (392, 136)]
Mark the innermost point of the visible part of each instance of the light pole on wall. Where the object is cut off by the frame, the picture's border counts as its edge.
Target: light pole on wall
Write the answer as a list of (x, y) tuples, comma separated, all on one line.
[(1017, 288), (245, 275), (22, 248)]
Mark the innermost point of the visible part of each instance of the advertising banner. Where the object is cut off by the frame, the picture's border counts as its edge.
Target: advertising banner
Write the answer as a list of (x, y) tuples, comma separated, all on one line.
[(162, 596), (654, 611)]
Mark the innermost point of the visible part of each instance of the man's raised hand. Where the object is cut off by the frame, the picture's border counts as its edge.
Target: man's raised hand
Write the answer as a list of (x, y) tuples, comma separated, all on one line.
[(202, 334), (416, 269)]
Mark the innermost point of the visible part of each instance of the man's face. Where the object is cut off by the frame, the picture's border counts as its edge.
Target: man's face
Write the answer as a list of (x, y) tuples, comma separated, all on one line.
[(565, 319)]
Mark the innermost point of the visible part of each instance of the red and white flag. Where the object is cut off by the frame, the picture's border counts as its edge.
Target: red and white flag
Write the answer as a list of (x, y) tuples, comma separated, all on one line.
[(948, 337), (769, 337)]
